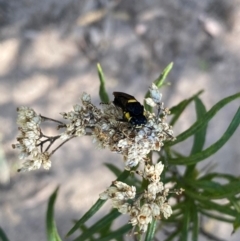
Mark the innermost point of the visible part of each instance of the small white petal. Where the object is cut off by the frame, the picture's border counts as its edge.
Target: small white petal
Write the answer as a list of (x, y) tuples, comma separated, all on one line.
[(124, 208), (103, 195), (150, 102), (155, 93), (166, 210), (155, 209), (77, 108), (86, 97)]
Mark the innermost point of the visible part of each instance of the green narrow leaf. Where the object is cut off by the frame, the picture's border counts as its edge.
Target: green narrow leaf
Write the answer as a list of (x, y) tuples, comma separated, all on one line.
[(227, 209), (3, 236), (115, 170), (159, 83), (199, 137), (97, 227), (83, 228), (102, 90), (205, 203), (213, 148), (195, 195), (195, 222), (87, 216), (150, 234), (219, 191), (222, 209), (236, 223), (185, 223), (105, 230), (177, 110), (118, 233), (52, 233), (204, 121), (160, 80), (219, 217), (210, 176), (95, 207), (124, 175), (236, 204)]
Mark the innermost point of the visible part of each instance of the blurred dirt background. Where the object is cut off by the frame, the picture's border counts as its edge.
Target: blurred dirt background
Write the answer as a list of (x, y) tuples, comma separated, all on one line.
[(48, 55)]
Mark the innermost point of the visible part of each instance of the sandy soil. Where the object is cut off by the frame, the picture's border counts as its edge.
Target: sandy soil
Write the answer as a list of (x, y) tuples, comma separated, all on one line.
[(49, 50)]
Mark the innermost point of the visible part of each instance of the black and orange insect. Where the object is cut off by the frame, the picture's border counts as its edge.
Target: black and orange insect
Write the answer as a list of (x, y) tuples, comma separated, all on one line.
[(133, 111)]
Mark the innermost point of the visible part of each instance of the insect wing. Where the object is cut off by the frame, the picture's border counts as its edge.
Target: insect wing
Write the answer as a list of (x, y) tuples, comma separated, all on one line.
[(127, 103), (121, 99)]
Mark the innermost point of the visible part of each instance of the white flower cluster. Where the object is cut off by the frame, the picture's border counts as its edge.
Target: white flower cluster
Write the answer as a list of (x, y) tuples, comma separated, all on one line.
[(80, 118), (119, 193), (104, 125), (152, 204), (29, 140), (156, 96), (120, 137)]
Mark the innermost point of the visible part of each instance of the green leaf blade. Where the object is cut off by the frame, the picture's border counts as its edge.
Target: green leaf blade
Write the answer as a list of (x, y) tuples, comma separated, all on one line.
[(222, 209), (3, 236), (102, 90), (160, 80), (195, 223), (150, 234), (159, 83), (117, 233), (98, 226), (177, 110), (199, 137), (185, 223), (52, 233), (211, 149), (115, 170), (99, 203), (215, 190), (204, 121)]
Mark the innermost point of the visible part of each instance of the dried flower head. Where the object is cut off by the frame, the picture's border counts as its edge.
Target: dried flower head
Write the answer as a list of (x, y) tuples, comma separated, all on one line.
[(141, 208), (120, 137), (134, 144), (156, 96), (103, 125), (29, 140)]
